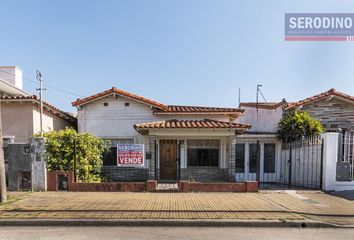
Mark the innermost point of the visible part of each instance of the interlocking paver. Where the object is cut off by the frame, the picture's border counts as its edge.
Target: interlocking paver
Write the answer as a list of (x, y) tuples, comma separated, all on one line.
[(121, 205)]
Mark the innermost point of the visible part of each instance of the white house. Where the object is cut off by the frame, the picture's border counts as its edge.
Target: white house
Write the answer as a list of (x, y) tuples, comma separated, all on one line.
[(181, 142)]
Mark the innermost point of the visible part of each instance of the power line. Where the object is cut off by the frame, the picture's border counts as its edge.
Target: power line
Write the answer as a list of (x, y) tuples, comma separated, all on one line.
[(46, 85)]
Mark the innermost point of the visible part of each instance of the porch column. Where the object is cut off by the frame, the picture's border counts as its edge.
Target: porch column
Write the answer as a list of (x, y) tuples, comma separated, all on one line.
[(231, 159)]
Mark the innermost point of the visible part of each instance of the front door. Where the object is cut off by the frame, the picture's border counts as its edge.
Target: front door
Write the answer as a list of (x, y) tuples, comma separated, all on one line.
[(168, 158)]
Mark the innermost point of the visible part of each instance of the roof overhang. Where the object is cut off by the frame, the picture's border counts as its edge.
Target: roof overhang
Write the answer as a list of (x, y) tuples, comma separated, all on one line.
[(118, 92), (191, 132), (8, 89), (187, 127)]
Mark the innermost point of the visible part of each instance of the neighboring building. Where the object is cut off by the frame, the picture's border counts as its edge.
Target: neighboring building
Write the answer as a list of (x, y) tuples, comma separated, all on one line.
[(181, 142), (263, 117), (335, 110), (20, 112), (20, 117)]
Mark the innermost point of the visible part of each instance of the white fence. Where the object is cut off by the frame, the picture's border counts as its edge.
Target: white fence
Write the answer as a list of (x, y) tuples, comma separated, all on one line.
[(301, 163)]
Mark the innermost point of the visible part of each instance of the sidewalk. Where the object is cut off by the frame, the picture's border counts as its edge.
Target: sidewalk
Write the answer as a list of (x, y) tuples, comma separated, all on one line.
[(271, 206)]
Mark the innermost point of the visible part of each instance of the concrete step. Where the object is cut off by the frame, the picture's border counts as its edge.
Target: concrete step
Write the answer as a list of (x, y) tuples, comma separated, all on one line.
[(167, 187)]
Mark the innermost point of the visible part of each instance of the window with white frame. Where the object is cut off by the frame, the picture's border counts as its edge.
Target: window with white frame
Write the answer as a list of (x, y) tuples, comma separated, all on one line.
[(253, 155), (203, 152), (269, 158), (240, 157)]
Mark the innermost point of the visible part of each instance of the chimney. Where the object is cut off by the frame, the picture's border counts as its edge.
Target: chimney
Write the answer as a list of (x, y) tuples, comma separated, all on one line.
[(11, 74)]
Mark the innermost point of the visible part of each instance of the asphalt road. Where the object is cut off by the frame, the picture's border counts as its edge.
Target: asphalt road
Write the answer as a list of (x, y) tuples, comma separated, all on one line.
[(169, 233)]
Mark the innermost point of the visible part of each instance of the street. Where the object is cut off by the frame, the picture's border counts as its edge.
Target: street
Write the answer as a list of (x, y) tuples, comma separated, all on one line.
[(156, 233)]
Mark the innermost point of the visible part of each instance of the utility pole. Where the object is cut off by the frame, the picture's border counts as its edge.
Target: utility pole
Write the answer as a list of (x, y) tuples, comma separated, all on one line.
[(40, 79), (3, 194)]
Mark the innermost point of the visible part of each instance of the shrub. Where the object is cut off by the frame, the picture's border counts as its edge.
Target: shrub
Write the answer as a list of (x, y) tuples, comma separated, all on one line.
[(296, 125), (89, 150)]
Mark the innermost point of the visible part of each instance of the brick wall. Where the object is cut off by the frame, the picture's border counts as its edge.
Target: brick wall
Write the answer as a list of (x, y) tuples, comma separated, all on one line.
[(333, 114), (202, 174), (125, 174), (52, 179), (250, 186), (108, 187)]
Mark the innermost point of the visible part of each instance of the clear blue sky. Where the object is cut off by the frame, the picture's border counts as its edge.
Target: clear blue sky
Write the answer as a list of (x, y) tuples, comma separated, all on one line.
[(194, 52)]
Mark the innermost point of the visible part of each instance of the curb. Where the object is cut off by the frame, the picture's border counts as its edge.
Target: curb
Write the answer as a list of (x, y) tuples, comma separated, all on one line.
[(169, 223)]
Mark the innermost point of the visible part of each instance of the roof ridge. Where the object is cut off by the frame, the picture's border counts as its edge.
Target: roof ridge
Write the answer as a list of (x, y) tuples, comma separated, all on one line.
[(119, 92), (319, 96)]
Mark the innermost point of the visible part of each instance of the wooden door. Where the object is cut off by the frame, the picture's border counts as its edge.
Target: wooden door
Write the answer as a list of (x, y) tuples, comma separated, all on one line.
[(168, 157)]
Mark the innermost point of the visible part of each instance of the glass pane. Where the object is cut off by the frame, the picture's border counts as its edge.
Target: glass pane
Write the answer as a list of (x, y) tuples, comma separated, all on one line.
[(110, 158), (240, 158), (203, 153), (253, 158), (203, 143), (269, 158)]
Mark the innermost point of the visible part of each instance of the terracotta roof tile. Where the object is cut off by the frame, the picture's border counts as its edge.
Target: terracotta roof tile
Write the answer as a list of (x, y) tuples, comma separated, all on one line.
[(331, 92), (161, 108), (178, 124), (36, 100), (180, 109), (119, 92)]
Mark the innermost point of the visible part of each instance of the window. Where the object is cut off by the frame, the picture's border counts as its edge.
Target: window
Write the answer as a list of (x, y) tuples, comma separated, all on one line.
[(253, 157), (203, 152), (240, 158), (105, 104), (126, 104), (110, 158), (269, 158)]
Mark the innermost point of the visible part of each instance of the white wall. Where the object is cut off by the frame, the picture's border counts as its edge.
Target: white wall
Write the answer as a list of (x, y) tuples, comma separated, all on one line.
[(265, 120), (330, 155), (11, 74), (117, 120), (50, 121)]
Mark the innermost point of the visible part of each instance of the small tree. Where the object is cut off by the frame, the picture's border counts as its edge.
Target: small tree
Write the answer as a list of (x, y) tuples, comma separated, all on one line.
[(89, 149), (297, 124)]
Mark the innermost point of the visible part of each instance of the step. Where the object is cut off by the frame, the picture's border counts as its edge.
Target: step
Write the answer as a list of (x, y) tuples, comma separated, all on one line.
[(167, 187)]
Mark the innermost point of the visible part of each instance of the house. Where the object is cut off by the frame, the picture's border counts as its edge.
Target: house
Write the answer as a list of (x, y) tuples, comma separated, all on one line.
[(20, 111), (334, 109), (180, 142), (20, 117)]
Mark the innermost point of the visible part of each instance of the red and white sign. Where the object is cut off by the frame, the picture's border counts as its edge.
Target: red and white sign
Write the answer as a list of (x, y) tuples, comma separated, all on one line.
[(130, 155)]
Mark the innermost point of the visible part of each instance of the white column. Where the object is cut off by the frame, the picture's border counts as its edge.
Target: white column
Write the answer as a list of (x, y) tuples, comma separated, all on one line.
[(330, 155)]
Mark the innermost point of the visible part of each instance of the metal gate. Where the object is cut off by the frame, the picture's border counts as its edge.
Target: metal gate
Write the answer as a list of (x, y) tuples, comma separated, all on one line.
[(345, 164), (301, 163)]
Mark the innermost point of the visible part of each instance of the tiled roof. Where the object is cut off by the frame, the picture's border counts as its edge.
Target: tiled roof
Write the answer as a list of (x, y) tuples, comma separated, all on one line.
[(263, 105), (331, 92), (119, 92), (46, 105), (161, 108), (175, 109), (174, 124)]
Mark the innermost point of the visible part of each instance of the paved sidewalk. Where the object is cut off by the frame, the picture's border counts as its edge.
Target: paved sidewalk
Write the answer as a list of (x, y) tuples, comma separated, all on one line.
[(236, 206)]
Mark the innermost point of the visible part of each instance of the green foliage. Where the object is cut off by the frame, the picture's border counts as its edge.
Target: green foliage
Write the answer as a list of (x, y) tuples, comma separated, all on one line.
[(89, 150), (297, 124)]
